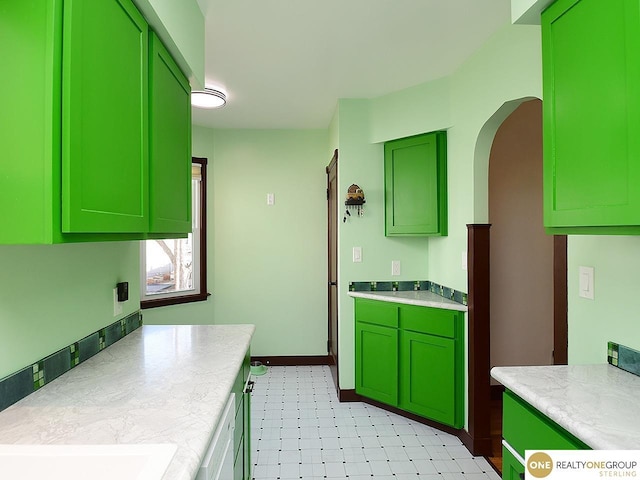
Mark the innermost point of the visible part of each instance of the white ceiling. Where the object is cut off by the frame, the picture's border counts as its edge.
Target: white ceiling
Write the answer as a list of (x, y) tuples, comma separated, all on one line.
[(285, 63)]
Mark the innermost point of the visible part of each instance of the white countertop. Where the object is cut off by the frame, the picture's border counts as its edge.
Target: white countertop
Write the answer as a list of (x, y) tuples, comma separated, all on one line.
[(596, 403), (159, 384), (422, 298)]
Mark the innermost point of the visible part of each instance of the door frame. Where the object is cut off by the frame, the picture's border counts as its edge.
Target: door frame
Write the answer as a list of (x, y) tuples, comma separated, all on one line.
[(332, 266), (477, 437)]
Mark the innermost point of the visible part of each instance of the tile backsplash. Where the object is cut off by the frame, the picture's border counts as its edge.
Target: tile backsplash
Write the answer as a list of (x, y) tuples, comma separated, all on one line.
[(18, 385), (403, 286), (623, 357)]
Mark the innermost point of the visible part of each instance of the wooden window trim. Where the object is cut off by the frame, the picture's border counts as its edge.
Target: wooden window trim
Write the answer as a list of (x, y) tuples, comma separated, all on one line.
[(203, 295)]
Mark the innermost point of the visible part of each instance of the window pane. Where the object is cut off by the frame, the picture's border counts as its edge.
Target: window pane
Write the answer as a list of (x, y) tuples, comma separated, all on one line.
[(169, 265)]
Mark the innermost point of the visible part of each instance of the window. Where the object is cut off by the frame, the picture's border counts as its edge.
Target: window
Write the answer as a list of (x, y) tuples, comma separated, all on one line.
[(174, 270)]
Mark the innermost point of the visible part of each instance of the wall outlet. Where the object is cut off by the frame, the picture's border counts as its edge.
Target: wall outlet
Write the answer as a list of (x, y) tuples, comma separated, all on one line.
[(395, 267), (357, 254), (271, 199), (117, 306)]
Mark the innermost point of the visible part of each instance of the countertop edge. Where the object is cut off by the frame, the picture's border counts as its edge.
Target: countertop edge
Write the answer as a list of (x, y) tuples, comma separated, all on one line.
[(603, 435), (396, 297)]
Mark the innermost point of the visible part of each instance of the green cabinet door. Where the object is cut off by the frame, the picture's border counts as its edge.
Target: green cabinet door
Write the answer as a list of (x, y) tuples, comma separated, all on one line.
[(428, 377), (170, 143), (416, 185), (104, 117), (512, 469), (591, 115), (377, 362)]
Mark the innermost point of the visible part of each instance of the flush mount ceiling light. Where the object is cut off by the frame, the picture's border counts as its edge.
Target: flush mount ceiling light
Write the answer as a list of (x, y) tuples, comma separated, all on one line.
[(208, 98)]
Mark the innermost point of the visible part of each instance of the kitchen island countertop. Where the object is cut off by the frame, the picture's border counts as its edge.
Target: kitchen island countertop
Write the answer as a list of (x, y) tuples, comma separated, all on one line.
[(158, 385), (421, 298), (596, 403)]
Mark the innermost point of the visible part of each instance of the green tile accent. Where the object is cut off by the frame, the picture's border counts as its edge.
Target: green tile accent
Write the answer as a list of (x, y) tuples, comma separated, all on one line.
[(403, 286), (612, 353), (18, 385), (623, 357)]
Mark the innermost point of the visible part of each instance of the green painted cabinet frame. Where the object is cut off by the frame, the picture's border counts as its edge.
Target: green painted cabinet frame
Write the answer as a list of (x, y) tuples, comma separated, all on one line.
[(412, 358), (415, 173), (242, 431), (74, 134), (591, 117)]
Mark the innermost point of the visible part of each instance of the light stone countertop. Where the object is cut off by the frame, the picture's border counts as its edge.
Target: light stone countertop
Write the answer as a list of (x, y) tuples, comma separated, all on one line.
[(422, 298), (596, 403), (159, 384)]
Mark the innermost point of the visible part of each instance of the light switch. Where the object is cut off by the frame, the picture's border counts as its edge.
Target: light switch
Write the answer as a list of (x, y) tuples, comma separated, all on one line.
[(357, 254), (464, 261), (271, 199), (586, 283)]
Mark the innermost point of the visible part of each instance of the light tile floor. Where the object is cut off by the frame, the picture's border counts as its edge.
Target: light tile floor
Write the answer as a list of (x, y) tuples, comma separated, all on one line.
[(300, 430)]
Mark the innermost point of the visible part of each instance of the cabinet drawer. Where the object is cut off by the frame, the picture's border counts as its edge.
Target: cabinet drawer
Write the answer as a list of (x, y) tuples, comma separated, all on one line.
[(525, 428), (376, 312), (433, 321)]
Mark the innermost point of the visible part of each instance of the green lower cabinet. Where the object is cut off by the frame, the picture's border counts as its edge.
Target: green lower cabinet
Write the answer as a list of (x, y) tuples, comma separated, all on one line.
[(242, 432), (525, 428), (411, 357), (377, 362), (512, 468), (427, 376)]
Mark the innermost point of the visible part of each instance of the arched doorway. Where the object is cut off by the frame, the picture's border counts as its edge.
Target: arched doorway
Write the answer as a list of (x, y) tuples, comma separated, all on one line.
[(481, 291)]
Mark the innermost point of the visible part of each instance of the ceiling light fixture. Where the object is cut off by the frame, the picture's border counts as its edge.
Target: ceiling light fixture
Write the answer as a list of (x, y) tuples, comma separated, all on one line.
[(208, 98)]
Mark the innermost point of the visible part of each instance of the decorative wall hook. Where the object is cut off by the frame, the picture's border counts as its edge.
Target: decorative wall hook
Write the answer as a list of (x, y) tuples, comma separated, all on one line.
[(355, 201)]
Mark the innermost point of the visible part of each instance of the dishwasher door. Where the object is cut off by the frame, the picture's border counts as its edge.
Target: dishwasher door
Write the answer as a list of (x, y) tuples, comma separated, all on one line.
[(217, 463)]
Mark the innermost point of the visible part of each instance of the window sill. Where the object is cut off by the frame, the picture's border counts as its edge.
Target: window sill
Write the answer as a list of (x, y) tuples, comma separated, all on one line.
[(163, 302)]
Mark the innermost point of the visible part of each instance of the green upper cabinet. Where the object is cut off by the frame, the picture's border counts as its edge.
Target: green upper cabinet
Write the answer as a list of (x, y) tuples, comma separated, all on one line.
[(415, 172), (104, 117), (74, 132), (591, 108), (170, 144), (31, 52)]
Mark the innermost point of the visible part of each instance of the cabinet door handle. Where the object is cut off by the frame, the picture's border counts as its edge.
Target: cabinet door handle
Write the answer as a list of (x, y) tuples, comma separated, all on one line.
[(521, 476), (250, 385)]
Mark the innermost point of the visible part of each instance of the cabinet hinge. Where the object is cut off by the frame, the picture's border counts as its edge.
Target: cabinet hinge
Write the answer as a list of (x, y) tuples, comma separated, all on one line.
[(328, 193)]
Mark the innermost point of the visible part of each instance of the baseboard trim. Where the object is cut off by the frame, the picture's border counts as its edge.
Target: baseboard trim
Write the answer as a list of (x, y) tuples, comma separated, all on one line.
[(477, 446), (289, 361), (410, 416), (349, 396)]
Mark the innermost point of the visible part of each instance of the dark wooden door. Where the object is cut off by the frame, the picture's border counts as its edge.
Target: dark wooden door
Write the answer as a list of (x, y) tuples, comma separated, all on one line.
[(332, 284)]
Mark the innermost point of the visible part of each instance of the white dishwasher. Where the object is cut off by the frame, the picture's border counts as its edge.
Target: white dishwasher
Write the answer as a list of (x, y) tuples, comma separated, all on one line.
[(217, 463)]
